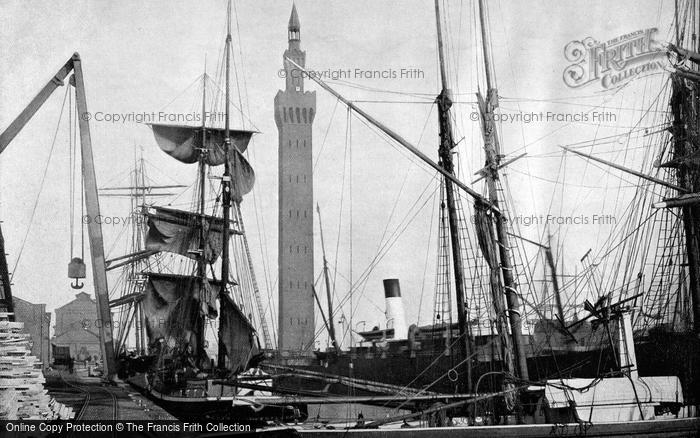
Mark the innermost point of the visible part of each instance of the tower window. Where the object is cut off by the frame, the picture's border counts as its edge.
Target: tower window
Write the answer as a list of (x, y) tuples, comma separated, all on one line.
[(304, 178), (297, 143), (290, 213), (311, 115), (298, 115), (297, 179), (290, 144), (291, 114), (285, 113), (303, 112), (304, 143)]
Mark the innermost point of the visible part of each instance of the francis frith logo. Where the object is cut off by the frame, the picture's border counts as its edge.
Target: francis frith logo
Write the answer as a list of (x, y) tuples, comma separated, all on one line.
[(615, 62)]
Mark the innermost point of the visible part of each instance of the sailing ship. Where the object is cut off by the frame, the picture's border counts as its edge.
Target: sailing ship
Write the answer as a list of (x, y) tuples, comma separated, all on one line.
[(171, 310)]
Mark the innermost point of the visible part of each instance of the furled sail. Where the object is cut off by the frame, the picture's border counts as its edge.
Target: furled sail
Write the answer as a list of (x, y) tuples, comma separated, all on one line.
[(184, 142), (178, 231), (238, 336), (484, 234), (172, 305)]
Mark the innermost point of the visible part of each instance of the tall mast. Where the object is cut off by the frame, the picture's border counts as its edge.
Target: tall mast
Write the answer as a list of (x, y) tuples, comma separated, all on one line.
[(201, 262), (493, 159), (444, 103), (690, 213), (331, 328), (226, 195), (555, 280)]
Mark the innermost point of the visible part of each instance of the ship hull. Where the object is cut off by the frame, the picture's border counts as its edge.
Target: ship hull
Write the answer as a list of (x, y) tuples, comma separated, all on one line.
[(670, 354), (243, 410), (682, 427)]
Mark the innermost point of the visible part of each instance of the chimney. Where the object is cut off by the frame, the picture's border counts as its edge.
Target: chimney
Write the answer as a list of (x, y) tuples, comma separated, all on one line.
[(395, 315)]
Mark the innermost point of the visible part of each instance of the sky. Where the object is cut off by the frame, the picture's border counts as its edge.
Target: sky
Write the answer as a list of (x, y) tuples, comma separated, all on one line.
[(144, 57)]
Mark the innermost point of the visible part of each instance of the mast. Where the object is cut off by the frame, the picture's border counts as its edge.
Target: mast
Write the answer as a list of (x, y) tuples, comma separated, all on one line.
[(555, 280), (684, 141), (201, 261), (690, 213), (226, 193), (493, 158), (331, 328), (444, 103)]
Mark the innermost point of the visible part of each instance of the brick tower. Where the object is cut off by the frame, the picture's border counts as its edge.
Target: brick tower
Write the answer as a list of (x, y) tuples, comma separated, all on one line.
[(294, 115)]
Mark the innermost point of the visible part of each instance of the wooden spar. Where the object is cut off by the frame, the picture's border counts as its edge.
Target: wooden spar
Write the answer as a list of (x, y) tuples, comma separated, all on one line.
[(630, 171), (92, 205), (517, 236), (555, 280), (130, 315), (125, 299), (124, 195), (493, 158), (320, 308), (353, 381), (681, 201), (145, 188), (483, 171), (133, 254), (331, 327), (388, 400), (691, 160), (135, 258), (685, 53), (687, 74), (226, 193), (36, 103), (396, 137), (447, 143)]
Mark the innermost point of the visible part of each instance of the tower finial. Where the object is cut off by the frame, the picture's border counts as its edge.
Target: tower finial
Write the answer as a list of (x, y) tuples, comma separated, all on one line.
[(294, 25)]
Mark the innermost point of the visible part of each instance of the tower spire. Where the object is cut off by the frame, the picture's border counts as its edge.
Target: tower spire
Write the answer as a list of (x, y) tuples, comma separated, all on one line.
[(294, 26)]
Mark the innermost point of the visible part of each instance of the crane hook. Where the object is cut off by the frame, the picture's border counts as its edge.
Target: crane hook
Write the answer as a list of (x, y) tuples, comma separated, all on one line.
[(76, 284)]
